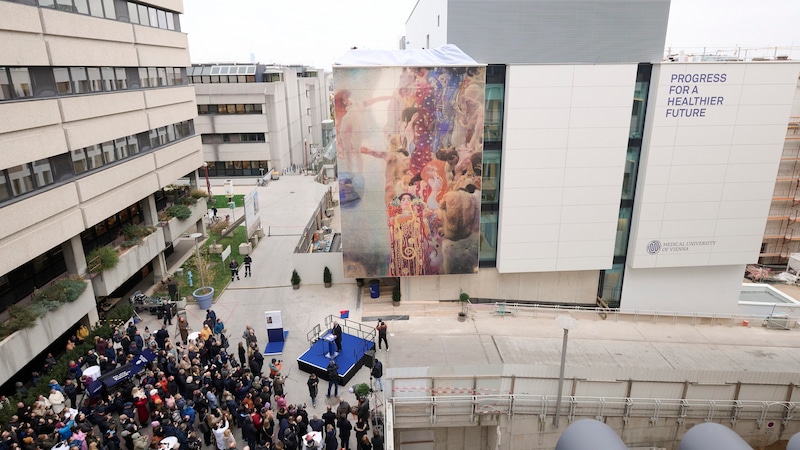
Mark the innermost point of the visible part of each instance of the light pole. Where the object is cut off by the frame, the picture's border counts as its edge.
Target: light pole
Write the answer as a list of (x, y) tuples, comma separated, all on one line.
[(197, 236), (208, 183), (567, 323)]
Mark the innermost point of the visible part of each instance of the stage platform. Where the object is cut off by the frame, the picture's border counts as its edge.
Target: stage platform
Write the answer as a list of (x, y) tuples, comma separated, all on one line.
[(358, 349)]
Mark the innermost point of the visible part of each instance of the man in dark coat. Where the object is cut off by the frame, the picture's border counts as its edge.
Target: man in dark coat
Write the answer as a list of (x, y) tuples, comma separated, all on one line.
[(161, 336)]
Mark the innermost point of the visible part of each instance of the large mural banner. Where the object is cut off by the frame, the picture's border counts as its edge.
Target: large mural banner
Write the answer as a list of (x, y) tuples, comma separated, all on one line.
[(409, 146)]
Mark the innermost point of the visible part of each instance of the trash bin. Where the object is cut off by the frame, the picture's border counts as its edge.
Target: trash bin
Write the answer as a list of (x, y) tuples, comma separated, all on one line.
[(374, 289)]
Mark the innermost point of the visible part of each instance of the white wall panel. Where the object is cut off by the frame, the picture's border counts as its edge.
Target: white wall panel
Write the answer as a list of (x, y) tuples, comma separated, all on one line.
[(566, 133), (25, 115), (31, 145), (719, 167), (23, 49)]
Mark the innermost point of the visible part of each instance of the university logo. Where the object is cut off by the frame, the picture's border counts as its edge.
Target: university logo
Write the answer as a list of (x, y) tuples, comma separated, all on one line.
[(653, 247)]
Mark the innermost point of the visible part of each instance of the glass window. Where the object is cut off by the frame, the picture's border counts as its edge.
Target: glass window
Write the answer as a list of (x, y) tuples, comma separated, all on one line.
[(63, 85), (490, 177), (162, 19), (493, 117), (154, 142), (96, 8), (223, 70), (108, 151), (240, 109), (43, 81), (143, 140), (62, 167), (171, 133), (43, 172), (80, 82), (488, 243), (21, 179), (202, 109), (95, 81), (162, 76), (65, 5), (82, 6), (143, 77), (133, 12), (110, 10), (79, 163), (5, 85), (5, 190), (215, 78), (257, 109), (153, 13), (162, 135), (170, 21), (94, 154), (121, 78), (132, 146), (178, 75), (152, 73), (121, 148), (21, 80), (170, 76), (143, 16), (109, 81), (47, 3)]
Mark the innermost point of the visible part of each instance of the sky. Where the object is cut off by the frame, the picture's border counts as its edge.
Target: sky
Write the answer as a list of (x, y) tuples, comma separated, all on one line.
[(317, 32)]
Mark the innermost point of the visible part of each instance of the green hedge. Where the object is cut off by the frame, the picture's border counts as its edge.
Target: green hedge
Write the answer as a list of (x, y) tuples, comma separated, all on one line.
[(181, 212)]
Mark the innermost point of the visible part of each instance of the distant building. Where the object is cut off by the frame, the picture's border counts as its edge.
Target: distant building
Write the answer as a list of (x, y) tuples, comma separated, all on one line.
[(254, 118)]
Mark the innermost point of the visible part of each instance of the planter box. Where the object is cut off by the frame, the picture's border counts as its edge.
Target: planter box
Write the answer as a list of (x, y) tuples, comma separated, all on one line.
[(245, 249), (130, 262), (21, 347), (175, 228), (215, 249)]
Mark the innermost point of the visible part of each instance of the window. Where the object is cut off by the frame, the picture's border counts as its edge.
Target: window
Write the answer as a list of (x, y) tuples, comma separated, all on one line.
[(94, 154), (108, 151), (82, 6), (47, 3), (43, 172), (21, 81), (143, 77), (132, 146), (5, 190), (202, 109), (121, 78), (153, 13), (95, 81), (79, 162), (143, 15), (80, 82), (63, 85), (170, 21), (111, 13), (178, 75), (65, 5), (162, 19), (152, 73), (154, 141), (109, 80), (96, 8), (21, 179), (170, 76), (121, 148), (133, 12), (170, 133), (5, 85)]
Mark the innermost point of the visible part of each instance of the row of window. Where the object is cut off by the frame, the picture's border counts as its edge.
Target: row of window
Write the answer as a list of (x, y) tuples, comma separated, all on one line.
[(213, 79), (237, 168), (119, 10), (28, 177), (39, 82), (232, 138), (239, 108)]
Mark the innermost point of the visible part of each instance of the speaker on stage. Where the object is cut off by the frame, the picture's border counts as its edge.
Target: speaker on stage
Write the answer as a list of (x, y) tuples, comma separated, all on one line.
[(172, 288)]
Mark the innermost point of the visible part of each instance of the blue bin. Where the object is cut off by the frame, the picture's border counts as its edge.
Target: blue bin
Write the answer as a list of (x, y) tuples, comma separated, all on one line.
[(374, 289)]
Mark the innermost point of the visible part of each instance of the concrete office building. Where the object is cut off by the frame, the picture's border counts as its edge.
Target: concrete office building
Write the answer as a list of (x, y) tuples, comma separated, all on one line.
[(254, 118), (607, 172), (98, 118)]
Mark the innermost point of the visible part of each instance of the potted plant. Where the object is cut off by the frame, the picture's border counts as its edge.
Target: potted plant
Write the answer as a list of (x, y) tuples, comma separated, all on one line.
[(326, 277), (396, 295), (464, 299), (295, 280), (204, 295)]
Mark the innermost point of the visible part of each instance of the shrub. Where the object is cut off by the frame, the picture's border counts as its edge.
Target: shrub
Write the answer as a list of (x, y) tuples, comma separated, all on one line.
[(295, 278), (123, 312), (361, 390), (20, 317), (66, 290), (102, 258), (131, 231), (198, 194), (163, 216), (326, 275), (187, 201), (181, 212), (219, 227), (464, 297)]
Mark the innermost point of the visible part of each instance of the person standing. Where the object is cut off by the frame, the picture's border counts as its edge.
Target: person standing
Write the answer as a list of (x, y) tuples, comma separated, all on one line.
[(337, 333), (377, 373), (382, 334), (183, 329), (234, 266), (313, 384), (166, 311), (333, 378), (247, 261)]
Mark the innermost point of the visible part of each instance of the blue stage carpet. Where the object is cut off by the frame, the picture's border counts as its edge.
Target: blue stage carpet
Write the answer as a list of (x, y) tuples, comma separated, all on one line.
[(350, 359)]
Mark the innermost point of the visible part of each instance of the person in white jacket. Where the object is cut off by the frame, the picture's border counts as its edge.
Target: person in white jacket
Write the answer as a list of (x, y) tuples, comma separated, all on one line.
[(57, 401), (219, 434)]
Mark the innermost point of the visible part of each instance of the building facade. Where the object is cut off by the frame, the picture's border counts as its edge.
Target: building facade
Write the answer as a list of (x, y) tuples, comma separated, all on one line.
[(616, 175), (98, 118), (255, 118)]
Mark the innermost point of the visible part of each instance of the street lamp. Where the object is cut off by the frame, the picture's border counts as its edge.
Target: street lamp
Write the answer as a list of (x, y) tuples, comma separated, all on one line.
[(197, 236), (208, 183), (567, 323)]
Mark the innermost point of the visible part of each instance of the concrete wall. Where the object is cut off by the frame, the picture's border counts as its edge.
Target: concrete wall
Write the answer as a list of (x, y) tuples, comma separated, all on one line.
[(131, 260)]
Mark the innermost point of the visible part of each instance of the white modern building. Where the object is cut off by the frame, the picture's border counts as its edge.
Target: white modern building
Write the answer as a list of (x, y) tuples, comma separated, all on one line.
[(608, 173), (256, 118), (98, 118)]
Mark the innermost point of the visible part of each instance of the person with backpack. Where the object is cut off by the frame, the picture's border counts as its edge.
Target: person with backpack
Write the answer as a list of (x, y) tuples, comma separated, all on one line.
[(377, 373), (333, 378)]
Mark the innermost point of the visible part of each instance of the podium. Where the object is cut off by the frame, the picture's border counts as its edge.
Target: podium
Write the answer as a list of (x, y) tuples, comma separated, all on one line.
[(330, 346)]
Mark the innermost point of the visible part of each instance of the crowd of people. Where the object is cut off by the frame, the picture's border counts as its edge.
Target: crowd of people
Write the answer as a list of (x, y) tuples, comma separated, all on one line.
[(193, 393)]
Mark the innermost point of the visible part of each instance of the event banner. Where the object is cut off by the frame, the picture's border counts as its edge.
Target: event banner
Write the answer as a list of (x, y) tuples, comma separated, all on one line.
[(409, 146)]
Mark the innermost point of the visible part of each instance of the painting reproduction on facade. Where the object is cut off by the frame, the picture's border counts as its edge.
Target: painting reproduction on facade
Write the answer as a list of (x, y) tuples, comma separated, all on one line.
[(409, 147)]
